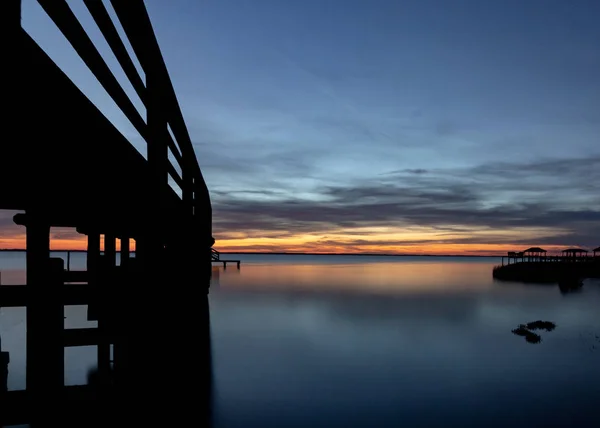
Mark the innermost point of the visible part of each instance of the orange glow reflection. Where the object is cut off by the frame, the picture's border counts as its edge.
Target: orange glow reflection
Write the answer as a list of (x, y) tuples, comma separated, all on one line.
[(383, 277)]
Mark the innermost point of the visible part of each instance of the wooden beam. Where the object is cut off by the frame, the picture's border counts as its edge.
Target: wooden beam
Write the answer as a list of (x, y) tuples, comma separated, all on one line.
[(67, 23), (16, 296), (136, 23), (16, 407), (175, 175), (110, 249), (105, 277), (125, 253), (108, 29)]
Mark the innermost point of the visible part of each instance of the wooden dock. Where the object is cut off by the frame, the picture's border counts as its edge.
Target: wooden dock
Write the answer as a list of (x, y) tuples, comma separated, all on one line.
[(148, 309), (215, 257), (536, 266)]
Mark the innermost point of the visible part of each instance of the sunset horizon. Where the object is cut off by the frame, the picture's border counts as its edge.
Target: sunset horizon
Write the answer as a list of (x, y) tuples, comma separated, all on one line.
[(300, 213), (63, 239), (476, 134)]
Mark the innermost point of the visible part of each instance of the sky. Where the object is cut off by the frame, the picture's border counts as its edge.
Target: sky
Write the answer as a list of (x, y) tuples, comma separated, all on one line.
[(415, 126)]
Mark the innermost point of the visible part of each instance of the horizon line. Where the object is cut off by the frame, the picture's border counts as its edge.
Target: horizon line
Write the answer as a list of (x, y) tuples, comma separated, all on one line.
[(22, 250)]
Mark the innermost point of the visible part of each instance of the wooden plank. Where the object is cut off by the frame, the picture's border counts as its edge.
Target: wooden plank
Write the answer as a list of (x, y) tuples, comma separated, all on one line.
[(136, 23), (66, 21), (105, 277), (17, 406), (14, 296), (106, 25), (76, 276), (175, 175), (237, 262)]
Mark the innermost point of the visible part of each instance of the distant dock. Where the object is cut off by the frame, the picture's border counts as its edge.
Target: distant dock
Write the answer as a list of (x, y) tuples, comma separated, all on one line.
[(536, 266), (216, 258)]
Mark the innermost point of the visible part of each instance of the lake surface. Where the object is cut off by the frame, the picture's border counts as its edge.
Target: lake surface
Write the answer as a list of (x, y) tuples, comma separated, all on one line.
[(353, 341)]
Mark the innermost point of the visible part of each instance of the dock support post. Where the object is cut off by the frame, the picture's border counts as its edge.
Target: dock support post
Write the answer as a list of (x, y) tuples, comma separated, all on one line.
[(96, 306), (4, 361), (45, 322), (125, 252), (104, 277), (93, 259)]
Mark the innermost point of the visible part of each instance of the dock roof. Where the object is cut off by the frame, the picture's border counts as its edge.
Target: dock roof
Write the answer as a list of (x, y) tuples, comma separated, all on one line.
[(535, 250), (574, 250)]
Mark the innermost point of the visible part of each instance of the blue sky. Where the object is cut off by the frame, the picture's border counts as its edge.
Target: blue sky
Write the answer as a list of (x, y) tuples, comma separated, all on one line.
[(310, 117)]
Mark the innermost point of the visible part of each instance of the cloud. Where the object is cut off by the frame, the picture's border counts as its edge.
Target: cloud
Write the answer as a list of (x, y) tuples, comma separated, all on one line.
[(416, 171), (558, 195)]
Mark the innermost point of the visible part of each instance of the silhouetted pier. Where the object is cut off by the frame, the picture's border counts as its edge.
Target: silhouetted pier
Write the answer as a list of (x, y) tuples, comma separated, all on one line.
[(535, 265), (216, 258), (152, 334)]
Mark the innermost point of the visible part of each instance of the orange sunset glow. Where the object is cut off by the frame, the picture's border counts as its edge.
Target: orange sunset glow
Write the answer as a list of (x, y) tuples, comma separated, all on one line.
[(381, 240), (391, 241), (444, 239), (59, 240)]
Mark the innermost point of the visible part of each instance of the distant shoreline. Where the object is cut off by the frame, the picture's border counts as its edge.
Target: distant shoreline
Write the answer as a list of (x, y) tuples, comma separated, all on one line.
[(19, 250), (361, 254)]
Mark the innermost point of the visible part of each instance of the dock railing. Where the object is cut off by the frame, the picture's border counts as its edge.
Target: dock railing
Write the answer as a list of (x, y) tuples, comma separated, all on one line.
[(170, 151)]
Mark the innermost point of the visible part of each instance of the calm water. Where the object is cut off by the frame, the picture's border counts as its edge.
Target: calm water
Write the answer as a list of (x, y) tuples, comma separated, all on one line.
[(338, 341)]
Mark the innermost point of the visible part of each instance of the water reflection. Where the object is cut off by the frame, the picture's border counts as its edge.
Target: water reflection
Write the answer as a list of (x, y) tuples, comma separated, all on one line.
[(526, 330), (390, 344), (407, 276), (567, 288), (379, 345)]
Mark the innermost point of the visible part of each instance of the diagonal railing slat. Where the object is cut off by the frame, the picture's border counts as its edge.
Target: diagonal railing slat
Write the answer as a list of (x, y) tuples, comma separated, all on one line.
[(153, 86), (110, 33), (134, 19), (67, 23)]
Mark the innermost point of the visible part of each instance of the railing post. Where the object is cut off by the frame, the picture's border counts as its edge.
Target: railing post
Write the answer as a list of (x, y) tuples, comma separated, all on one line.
[(124, 253), (92, 262), (188, 187), (158, 156), (203, 232)]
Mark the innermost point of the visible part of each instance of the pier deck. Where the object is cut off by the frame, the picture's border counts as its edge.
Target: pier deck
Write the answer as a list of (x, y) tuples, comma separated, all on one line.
[(551, 270), (65, 164), (215, 257)]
